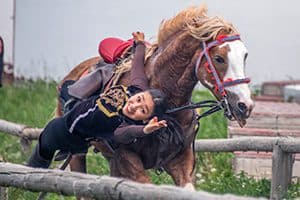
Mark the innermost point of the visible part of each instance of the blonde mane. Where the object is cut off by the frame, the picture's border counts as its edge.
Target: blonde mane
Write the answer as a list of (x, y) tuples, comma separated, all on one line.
[(197, 23)]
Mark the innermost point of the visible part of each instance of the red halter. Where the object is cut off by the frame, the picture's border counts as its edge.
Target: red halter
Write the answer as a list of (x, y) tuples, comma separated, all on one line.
[(210, 68)]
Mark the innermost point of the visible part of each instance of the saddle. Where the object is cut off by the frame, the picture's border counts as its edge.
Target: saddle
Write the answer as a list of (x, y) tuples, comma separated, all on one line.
[(92, 83), (111, 50)]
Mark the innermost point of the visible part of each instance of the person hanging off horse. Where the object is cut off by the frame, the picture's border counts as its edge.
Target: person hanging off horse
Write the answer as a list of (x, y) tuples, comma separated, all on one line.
[(120, 113)]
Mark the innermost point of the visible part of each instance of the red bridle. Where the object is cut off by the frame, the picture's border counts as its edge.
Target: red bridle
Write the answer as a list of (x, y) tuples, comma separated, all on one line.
[(210, 68)]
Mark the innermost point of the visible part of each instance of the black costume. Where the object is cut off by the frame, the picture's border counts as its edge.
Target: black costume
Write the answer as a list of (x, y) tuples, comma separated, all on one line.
[(99, 116)]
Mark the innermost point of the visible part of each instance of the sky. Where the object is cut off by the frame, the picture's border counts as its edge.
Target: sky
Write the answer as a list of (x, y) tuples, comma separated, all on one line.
[(52, 36)]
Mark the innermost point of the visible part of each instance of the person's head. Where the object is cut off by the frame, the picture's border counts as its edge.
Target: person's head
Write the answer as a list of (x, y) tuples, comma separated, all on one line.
[(145, 105)]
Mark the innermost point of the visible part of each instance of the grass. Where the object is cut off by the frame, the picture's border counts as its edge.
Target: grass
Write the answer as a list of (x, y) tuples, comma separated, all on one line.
[(32, 103), (214, 170)]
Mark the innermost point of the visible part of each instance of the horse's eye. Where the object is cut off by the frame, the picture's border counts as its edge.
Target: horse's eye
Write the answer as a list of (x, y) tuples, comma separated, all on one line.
[(219, 59)]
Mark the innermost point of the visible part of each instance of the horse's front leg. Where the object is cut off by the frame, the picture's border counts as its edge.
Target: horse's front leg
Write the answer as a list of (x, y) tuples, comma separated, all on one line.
[(127, 164), (78, 163), (181, 169)]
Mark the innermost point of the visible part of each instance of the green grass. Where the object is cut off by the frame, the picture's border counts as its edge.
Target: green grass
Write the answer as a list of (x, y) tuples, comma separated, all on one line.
[(33, 103)]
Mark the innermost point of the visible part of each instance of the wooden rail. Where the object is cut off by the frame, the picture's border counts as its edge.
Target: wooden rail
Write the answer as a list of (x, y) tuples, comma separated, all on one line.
[(96, 187), (282, 159), (282, 148), (255, 143), (19, 130)]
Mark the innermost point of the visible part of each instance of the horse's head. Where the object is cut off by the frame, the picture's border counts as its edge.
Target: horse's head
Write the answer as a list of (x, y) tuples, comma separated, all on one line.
[(210, 49), (221, 64), (221, 68)]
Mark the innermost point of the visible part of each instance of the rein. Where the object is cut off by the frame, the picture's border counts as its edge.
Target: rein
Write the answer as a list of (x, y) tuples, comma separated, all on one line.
[(213, 105)]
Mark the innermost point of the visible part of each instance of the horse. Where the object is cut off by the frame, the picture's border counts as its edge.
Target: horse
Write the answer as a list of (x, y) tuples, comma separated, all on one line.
[(191, 47)]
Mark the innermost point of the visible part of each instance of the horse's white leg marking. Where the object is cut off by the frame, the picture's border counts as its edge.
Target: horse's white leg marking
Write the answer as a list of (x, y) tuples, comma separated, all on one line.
[(189, 186), (236, 70)]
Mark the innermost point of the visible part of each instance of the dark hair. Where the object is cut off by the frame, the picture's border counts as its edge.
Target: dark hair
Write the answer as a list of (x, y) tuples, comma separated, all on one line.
[(160, 103)]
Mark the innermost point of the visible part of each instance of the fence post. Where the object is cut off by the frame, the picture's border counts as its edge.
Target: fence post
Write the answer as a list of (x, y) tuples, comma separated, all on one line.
[(3, 193), (282, 166)]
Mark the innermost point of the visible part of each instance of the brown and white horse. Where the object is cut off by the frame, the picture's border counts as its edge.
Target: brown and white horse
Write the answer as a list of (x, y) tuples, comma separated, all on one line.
[(191, 47)]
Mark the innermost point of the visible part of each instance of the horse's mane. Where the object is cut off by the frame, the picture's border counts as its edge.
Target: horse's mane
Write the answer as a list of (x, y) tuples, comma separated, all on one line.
[(197, 23)]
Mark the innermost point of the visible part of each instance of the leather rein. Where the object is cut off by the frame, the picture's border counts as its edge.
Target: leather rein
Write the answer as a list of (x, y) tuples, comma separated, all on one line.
[(219, 85)]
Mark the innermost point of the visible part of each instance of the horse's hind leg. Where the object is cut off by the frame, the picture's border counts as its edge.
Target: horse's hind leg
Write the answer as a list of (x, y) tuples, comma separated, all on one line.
[(181, 168), (127, 164)]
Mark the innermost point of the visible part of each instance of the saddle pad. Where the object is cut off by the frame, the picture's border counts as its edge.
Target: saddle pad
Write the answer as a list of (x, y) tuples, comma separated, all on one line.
[(112, 48)]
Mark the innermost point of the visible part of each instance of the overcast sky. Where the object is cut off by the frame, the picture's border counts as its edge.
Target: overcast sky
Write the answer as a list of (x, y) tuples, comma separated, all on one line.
[(54, 35)]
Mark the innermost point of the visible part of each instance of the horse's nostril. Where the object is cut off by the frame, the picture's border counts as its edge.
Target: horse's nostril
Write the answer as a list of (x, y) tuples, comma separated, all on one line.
[(242, 107)]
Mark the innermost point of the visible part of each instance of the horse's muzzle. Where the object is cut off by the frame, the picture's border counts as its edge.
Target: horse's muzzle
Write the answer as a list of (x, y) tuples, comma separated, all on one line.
[(244, 109)]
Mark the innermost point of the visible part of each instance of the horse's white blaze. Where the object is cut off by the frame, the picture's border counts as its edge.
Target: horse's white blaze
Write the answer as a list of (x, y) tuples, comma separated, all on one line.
[(189, 186), (236, 70)]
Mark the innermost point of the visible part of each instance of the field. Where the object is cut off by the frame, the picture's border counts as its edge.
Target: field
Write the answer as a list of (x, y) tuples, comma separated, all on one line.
[(32, 103)]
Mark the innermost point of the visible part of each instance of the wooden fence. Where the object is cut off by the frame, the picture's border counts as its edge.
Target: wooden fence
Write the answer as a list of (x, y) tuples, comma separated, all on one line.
[(282, 148), (95, 187), (282, 160)]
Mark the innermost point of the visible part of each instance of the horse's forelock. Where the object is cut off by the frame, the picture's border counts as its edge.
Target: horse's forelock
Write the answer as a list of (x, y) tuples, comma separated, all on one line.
[(209, 28)]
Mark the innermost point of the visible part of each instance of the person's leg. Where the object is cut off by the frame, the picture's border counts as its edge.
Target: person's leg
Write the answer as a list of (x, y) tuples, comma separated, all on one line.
[(53, 137), (36, 160)]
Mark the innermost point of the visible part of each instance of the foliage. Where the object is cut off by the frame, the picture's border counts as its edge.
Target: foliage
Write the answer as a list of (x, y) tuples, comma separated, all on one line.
[(33, 103), (216, 175)]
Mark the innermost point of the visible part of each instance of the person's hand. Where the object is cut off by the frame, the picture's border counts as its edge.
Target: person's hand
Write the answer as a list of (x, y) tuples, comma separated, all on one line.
[(138, 36), (154, 125)]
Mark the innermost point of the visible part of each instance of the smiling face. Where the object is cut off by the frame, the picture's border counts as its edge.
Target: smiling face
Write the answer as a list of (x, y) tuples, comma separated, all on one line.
[(139, 106), (229, 60)]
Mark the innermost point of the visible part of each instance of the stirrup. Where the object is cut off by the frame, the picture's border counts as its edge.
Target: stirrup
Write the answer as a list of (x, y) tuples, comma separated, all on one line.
[(61, 155)]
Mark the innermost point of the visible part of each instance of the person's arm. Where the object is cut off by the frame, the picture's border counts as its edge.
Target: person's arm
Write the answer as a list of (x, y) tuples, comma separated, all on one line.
[(126, 133), (138, 77)]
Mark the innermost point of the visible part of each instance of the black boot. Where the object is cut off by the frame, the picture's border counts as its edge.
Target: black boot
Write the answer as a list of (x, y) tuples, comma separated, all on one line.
[(36, 160)]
